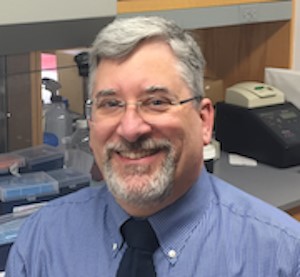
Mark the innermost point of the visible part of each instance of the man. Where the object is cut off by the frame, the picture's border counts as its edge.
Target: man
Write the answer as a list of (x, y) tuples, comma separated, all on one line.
[(148, 123)]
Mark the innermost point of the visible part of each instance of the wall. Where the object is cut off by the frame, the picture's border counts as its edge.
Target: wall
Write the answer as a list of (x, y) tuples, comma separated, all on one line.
[(296, 55)]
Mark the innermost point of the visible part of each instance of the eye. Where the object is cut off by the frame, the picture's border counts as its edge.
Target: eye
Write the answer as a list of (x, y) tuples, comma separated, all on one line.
[(157, 103)]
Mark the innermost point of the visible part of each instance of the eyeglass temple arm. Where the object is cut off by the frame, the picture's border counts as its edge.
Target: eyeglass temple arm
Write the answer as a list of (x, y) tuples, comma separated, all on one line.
[(190, 99)]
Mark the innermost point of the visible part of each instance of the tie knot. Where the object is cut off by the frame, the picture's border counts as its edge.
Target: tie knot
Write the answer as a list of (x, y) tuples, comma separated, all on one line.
[(139, 234)]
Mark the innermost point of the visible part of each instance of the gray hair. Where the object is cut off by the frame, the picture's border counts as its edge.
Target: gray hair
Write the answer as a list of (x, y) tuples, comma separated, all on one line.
[(120, 38)]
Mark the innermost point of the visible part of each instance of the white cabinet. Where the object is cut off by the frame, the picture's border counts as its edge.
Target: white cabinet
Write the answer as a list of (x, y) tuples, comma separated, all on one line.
[(34, 11), (35, 25)]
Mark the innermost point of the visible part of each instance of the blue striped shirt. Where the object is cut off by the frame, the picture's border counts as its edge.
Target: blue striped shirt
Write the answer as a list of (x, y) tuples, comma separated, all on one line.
[(213, 230)]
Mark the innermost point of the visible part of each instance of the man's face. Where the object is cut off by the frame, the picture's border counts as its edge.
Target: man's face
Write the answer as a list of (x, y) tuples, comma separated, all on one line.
[(147, 159)]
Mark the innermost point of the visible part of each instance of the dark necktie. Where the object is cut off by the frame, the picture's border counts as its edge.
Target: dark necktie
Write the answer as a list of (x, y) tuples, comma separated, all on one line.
[(142, 242)]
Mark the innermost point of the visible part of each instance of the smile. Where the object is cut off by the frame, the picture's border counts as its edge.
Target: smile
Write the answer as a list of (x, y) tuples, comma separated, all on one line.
[(134, 155)]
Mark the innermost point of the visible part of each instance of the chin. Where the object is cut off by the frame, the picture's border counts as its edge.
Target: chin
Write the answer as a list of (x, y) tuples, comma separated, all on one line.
[(141, 182), (141, 186)]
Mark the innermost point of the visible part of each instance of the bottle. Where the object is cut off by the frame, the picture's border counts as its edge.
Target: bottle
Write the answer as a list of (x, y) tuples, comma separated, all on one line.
[(80, 138), (78, 154), (58, 120)]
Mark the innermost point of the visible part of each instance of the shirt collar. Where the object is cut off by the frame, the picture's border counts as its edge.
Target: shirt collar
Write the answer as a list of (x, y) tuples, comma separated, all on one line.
[(173, 224), (115, 217)]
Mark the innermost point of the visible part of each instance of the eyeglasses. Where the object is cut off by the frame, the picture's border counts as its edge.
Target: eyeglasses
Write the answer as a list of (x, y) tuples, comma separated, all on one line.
[(112, 106)]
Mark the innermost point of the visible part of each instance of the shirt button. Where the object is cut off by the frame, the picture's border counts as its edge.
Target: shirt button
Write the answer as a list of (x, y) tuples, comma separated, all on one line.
[(172, 253), (115, 246)]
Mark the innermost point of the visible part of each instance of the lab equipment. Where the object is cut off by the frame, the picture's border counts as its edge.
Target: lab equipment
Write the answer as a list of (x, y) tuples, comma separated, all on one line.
[(253, 95), (269, 132), (58, 120)]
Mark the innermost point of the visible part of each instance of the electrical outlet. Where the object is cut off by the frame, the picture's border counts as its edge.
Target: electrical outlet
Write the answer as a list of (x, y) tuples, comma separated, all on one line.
[(248, 14)]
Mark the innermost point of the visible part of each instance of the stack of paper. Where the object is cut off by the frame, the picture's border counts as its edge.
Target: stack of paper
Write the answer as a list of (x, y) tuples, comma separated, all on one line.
[(287, 80)]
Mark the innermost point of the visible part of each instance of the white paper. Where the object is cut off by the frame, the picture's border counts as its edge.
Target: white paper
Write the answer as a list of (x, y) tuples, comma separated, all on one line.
[(286, 80), (235, 159)]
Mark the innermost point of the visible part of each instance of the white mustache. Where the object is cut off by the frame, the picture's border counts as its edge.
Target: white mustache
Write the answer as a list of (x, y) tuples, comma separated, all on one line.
[(138, 149)]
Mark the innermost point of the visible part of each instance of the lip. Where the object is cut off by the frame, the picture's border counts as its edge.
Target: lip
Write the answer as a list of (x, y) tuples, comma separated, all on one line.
[(139, 157)]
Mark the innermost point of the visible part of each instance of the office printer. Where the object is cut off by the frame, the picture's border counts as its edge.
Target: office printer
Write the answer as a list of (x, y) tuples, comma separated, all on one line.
[(255, 121)]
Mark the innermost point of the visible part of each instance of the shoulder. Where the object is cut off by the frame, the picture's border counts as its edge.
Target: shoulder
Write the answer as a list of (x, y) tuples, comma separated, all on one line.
[(77, 201), (252, 211), (60, 226), (72, 210), (80, 197)]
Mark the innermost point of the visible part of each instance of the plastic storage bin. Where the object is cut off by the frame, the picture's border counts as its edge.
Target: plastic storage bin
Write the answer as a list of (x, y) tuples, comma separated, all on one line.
[(34, 188), (29, 186), (29, 189), (9, 160), (41, 158), (70, 180)]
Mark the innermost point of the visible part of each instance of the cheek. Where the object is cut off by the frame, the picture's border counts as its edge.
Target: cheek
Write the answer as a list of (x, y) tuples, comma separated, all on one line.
[(192, 141), (185, 132), (178, 137)]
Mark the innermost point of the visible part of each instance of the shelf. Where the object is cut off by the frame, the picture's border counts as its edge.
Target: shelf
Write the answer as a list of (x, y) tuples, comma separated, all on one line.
[(60, 25), (134, 6), (215, 14)]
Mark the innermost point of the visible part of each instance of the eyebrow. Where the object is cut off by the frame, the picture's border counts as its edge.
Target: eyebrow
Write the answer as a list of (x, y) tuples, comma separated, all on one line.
[(151, 90), (156, 88), (105, 92)]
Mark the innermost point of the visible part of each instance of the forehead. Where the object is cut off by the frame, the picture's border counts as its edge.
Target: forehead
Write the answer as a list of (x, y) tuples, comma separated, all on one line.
[(148, 91), (151, 64)]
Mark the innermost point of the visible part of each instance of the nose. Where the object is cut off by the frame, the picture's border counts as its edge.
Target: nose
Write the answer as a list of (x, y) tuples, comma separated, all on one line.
[(132, 126)]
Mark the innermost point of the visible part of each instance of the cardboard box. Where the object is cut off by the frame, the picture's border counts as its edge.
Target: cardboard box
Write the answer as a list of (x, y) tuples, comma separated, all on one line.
[(214, 89)]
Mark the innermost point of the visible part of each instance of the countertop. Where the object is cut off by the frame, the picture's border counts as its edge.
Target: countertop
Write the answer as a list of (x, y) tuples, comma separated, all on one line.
[(279, 187)]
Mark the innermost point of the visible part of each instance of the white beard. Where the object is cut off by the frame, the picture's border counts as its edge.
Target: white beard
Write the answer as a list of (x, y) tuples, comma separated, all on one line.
[(141, 185)]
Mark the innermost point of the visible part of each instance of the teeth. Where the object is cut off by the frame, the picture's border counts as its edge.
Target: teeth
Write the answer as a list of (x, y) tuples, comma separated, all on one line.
[(136, 155)]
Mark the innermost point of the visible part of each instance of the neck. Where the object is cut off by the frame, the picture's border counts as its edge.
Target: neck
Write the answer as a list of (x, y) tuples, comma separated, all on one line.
[(141, 211), (147, 210)]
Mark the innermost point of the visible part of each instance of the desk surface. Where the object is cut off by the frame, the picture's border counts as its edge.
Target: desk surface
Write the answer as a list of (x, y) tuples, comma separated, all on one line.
[(279, 187)]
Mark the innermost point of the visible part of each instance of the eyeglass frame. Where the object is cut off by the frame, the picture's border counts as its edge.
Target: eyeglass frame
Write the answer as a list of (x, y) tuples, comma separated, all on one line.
[(90, 102)]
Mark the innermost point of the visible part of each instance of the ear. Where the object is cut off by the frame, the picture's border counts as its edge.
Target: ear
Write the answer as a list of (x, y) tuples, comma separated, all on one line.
[(206, 113)]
